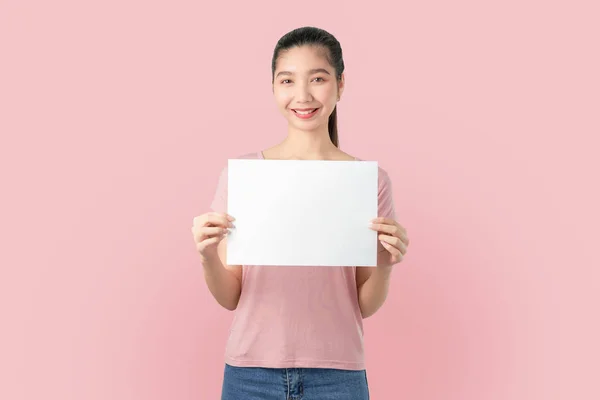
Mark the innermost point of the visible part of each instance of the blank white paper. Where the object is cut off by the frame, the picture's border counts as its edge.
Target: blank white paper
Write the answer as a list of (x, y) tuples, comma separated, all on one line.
[(302, 212)]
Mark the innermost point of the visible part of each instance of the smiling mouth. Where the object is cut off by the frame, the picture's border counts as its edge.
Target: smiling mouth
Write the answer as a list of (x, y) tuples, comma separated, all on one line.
[(305, 112)]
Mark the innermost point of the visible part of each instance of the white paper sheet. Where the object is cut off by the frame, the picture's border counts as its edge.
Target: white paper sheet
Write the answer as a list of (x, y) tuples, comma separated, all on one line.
[(302, 212)]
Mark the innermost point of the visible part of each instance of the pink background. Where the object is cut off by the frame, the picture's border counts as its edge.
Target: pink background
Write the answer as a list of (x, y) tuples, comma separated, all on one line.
[(117, 116)]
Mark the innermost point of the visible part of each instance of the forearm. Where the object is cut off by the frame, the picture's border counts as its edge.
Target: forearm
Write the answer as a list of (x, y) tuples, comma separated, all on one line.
[(372, 293), (222, 283)]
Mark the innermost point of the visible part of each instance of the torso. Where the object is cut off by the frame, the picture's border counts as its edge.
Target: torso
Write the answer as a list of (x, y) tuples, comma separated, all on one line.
[(298, 317)]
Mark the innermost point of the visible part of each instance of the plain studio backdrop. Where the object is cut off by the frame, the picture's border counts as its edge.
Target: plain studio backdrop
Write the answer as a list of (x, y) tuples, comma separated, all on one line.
[(116, 118)]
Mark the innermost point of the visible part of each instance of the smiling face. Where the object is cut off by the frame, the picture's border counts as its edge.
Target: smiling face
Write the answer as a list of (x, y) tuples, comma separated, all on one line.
[(305, 87)]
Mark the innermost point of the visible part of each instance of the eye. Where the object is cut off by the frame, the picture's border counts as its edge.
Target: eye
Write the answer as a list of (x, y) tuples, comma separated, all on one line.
[(322, 80), (284, 81)]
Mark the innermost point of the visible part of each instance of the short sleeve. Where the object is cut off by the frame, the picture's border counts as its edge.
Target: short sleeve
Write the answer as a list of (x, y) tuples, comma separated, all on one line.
[(219, 201), (386, 206)]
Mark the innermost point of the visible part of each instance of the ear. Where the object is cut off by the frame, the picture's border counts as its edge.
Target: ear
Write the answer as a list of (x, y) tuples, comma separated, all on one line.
[(341, 84)]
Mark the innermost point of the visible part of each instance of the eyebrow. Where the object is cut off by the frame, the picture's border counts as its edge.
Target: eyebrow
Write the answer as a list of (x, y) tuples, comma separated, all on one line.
[(312, 71)]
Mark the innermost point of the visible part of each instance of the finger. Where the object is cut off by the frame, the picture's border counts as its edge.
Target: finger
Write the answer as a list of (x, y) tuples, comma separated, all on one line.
[(201, 220), (388, 221), (384, 220), (385, 228), (227, 216), (403, 238), (205, 243), (396, 242), (213, 219), (208, 232), (396, 254)]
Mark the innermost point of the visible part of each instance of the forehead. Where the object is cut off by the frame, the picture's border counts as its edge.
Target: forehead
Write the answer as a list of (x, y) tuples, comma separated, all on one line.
[(299, 59)]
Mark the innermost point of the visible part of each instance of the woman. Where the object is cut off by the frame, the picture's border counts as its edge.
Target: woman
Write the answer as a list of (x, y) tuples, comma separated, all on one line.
[(297, 331)]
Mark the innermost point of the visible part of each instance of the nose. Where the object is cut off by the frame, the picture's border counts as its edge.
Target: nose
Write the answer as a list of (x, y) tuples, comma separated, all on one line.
[(303, 94)]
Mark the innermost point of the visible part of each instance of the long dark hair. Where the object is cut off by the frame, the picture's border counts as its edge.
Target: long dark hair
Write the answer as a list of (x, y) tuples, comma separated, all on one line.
[(309, 35)]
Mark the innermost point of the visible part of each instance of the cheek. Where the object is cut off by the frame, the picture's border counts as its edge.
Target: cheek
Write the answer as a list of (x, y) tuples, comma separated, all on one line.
[(282, 98), (327, 94)]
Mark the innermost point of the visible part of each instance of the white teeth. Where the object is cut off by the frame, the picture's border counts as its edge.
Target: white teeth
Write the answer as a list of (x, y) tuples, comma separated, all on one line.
[(304, 112)]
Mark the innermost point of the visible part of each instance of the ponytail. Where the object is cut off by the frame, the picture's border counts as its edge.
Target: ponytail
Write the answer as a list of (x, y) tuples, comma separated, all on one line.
[(332, 126)]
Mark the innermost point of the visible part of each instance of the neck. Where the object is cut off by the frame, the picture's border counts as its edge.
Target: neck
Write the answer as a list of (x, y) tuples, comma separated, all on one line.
[(308, 144)]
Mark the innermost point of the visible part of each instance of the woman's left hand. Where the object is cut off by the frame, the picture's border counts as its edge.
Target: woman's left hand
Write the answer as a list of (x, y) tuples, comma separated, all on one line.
[(393, 240)]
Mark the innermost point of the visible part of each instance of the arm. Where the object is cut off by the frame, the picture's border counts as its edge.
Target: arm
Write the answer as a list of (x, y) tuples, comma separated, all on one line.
[(373, 283), (224, 281), (373, 287)]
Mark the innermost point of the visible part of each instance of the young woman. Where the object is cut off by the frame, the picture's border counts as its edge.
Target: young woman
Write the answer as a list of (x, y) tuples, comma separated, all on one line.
[(297, 331)]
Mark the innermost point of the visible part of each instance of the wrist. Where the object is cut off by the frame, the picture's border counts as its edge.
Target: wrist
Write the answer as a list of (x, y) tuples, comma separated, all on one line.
[(384, 272), (210, 262)]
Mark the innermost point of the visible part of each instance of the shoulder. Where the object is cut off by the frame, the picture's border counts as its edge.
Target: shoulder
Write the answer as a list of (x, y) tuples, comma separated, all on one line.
[(384, 176), (245, 156), (249, 156), (256, 155)]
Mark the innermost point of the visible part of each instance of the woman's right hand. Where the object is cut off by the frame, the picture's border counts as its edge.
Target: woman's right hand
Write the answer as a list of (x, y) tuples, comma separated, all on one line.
[(208, 230)]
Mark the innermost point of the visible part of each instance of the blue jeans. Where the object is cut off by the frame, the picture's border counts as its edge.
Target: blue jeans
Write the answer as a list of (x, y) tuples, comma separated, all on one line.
[(253, 383)]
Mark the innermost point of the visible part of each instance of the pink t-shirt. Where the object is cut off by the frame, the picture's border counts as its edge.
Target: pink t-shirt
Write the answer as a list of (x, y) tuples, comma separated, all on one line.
[(298, 317)]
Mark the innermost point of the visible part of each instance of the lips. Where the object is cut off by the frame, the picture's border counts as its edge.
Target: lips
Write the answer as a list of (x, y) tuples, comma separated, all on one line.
[(305, 115), (304, 111)]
